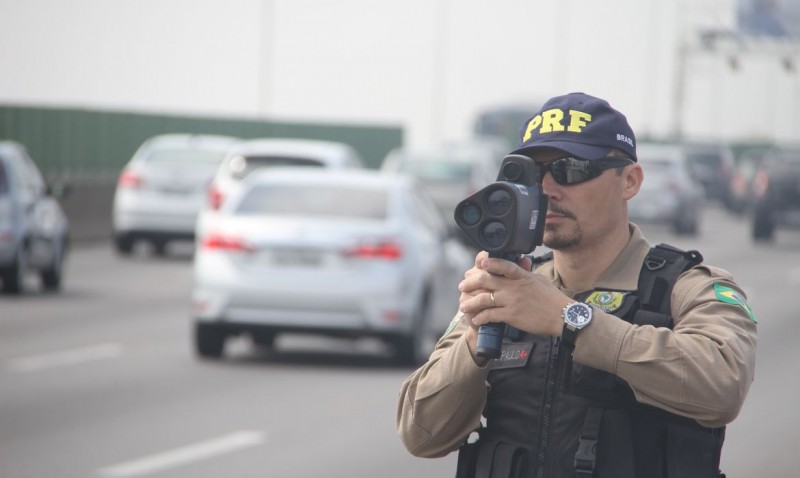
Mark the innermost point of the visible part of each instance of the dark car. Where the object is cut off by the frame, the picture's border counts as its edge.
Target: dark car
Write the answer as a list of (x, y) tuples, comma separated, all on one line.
[(740, 199), (34, 230), (712, 165), (776, 191)]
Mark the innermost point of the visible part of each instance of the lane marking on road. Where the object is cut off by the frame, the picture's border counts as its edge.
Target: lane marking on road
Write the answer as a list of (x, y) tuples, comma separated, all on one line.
[(184, 455), (66, 357)]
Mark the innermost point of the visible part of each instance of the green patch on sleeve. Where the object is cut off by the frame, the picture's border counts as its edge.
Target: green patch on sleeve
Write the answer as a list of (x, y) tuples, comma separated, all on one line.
[(730, 296)]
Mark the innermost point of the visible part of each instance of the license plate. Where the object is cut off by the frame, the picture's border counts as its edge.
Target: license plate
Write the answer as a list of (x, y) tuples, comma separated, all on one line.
[(297, 258), (176, 189)]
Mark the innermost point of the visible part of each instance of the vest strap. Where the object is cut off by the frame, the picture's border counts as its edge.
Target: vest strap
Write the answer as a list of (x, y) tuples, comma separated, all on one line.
[(586, 456)]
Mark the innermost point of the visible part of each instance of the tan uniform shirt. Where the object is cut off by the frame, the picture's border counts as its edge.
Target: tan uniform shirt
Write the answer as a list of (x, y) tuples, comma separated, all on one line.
[(701, 369)]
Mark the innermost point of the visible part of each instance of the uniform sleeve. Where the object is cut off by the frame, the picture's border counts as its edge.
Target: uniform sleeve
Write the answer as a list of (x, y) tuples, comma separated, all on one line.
[(702, 368), (441, 403)]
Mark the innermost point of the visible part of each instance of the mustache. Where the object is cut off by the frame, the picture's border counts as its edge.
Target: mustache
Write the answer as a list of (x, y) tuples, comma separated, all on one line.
[(552, 207)]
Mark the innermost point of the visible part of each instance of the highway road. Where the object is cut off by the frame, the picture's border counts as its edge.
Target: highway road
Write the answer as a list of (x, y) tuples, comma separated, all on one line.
[(100, 380)]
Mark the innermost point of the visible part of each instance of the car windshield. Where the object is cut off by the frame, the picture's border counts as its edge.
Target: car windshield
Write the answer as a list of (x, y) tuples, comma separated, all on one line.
[(786, 163), (436, 169), (705, 165), (314, 200), (3, 181), (185, 156), (657, 173), (241, 166)]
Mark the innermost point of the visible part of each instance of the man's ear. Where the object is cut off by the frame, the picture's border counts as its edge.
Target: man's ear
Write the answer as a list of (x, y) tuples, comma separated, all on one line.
[(633, 176)]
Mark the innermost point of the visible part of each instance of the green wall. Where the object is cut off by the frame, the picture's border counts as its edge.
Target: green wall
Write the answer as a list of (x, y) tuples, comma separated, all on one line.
[(93, 143)]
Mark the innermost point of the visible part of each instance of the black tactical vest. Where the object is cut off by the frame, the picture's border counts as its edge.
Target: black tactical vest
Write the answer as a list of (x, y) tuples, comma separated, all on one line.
[(547, 417)]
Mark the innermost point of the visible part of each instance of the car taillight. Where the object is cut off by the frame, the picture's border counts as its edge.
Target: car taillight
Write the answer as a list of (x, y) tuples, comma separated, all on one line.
[(738, 184), (382, 250), (214, 197), (225, 243), (130, 180)]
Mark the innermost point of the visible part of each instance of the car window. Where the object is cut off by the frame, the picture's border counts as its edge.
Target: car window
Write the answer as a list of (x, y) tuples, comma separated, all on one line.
[(432, 168), (425, 210), (657, 172), (785, 164), (314, 200), (25, 174), (184, 156), (241, 166), (3, 180)]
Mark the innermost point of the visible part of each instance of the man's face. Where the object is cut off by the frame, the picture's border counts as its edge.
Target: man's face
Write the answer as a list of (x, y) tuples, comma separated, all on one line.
[(582, 213)]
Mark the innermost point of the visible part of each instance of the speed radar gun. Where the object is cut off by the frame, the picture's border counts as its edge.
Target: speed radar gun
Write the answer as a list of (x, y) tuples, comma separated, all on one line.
[(506, 219)]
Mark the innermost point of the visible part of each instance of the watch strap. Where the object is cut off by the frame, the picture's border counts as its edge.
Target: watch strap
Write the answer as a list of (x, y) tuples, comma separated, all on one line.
[(569, 335)]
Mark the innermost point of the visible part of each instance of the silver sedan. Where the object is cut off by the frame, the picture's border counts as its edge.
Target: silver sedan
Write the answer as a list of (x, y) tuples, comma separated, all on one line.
[(347, 253)]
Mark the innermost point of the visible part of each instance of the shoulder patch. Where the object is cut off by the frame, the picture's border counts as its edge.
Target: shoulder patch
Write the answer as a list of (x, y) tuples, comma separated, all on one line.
[(606, 300), (730, 296)]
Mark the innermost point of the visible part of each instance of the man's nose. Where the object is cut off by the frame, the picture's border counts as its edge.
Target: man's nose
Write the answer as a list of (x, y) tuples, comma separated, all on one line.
[(549, 185)]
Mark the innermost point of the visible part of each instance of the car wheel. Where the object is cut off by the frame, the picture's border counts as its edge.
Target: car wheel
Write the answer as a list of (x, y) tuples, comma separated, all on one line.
[(686, 227), (414, 349), (159, 247), (123, 243), (763, 227), (209, 341), (14, 276), (51, 277)]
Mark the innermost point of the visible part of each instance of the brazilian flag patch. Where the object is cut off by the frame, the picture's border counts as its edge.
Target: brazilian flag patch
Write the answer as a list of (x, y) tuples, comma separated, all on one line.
[(730, 296)]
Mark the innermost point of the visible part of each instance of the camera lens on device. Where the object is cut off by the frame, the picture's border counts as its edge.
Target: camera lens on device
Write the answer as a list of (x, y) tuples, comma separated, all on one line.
[(498, 202), (494, 234), (470, 214), (512, 171)]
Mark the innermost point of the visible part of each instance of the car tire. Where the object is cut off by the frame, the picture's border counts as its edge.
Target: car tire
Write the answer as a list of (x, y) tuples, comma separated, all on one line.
[(123, 243), (14, 275), (763, 227), (159, 247), (263, 340), (209, 341), (414, 348), (686, 227), (51, 276)]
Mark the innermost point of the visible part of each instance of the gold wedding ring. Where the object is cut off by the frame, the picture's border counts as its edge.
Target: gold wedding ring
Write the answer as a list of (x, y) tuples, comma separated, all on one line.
[(491, 296)]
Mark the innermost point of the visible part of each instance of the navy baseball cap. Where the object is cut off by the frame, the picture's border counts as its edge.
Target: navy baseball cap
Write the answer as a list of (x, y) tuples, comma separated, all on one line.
[(579, 124)]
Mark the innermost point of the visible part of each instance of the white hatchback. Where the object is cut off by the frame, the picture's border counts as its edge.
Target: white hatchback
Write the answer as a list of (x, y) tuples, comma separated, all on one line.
[(348, 253), (163, 188)]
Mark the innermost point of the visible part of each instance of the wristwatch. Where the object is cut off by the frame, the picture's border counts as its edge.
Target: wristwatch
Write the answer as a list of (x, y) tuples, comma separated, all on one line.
[(577, 315)]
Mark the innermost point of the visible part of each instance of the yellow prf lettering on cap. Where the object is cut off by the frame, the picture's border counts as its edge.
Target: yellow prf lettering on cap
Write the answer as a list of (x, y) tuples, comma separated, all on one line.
[(551, 121), (532, 125), (578, 120)]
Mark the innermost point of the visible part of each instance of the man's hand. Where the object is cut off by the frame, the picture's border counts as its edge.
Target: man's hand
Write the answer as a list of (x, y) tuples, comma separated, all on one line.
[(522, 299)]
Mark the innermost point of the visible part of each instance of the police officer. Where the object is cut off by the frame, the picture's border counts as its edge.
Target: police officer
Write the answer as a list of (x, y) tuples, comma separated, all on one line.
[(630, 359)]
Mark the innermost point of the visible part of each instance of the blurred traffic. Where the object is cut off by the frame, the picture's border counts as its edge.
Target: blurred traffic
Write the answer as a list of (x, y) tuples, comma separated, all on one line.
[(34, 231), (671, 193)]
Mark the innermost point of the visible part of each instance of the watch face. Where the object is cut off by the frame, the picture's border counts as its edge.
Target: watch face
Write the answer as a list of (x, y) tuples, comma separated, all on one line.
[(578, 315)]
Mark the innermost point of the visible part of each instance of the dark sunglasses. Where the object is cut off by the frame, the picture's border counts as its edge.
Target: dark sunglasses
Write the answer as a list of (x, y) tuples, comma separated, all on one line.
[(569, 170)]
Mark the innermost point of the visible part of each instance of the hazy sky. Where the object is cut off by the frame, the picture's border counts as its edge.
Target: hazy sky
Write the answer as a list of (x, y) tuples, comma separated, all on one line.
[(427, 65)]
